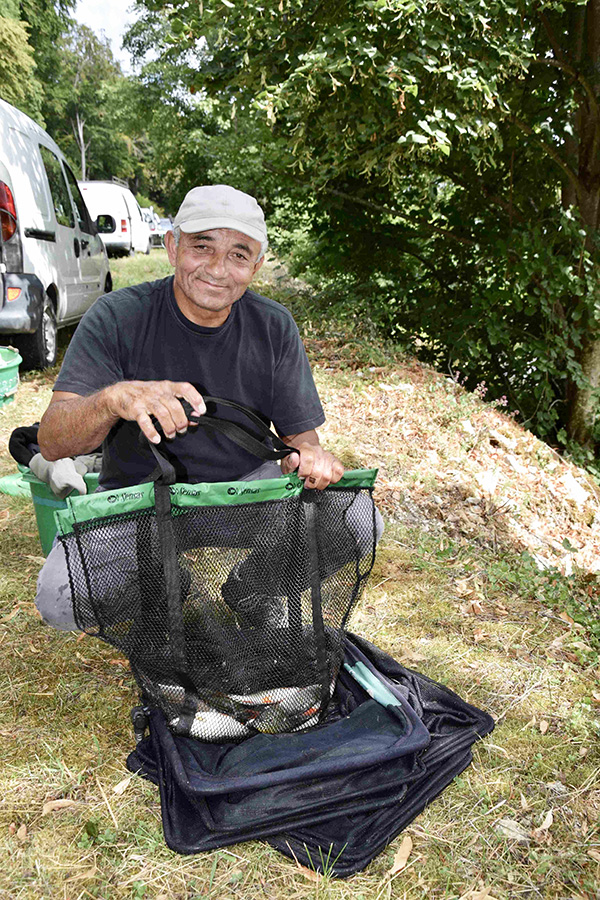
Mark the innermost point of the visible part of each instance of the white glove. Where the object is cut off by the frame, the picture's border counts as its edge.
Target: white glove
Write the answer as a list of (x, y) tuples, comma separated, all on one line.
[(88, 462), (61, 475)]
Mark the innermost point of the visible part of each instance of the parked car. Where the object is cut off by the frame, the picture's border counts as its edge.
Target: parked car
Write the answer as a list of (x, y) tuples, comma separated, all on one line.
[(53, 265), (152, 220), (163, 226), (118, 216)]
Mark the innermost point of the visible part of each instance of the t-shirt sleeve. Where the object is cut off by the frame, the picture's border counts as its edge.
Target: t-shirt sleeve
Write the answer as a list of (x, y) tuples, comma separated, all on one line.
[(296, 404), (92, 358)]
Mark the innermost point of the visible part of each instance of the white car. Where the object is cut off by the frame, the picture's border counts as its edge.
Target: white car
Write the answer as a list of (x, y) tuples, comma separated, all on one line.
[(118, 216), (164, 225), (152, 220), (53, 265)]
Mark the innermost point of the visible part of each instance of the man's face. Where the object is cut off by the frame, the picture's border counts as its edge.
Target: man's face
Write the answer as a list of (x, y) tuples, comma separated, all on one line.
[(212, 271)]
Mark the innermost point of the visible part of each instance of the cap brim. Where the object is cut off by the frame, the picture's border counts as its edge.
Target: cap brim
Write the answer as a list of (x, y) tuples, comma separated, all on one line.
[(197, 225)]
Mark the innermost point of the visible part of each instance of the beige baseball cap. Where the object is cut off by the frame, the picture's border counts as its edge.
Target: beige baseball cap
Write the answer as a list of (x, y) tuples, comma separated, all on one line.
[(221, 206)]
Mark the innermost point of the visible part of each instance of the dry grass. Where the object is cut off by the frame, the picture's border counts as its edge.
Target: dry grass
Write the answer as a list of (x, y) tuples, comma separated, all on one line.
[(452, 595)]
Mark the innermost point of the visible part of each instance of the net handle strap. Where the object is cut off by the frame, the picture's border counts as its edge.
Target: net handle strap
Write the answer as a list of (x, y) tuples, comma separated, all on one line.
[(241, 435), (309, 504)]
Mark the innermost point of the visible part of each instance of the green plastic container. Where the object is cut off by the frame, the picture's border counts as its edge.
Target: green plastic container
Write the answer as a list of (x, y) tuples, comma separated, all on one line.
[(14, 485), (9, 374), (45, 504)]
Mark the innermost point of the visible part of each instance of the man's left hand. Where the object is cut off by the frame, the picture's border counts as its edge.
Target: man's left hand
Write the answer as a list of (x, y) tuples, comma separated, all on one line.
[(318, 467)]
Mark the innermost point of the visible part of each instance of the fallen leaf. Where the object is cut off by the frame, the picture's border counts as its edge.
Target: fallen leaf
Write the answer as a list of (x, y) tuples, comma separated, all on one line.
[(462, 586), (401, 856), (596, 696), (22, 833), (411, 656), (4, 514), (474, 607), (566, 618), (581, 645), (544, 827), (483, 894), (594, 854), (12, 828), (583, 751), (309, 873), (510, 829), (524, 803), (544, 726), (53, 805), (87, 873)]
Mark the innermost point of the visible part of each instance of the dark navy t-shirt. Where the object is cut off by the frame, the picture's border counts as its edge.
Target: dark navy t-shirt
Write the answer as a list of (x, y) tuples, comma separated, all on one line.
[(255, 357)]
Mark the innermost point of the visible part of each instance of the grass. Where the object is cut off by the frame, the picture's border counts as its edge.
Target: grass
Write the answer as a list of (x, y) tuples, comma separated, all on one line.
[(454, 594)]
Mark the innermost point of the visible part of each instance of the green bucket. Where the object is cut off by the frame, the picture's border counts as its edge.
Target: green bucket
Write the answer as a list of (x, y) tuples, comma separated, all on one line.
[(45, 504), (9, 374)]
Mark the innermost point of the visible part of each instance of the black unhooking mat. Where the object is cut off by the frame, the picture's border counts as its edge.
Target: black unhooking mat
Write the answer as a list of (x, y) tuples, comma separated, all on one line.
[(333, 797)]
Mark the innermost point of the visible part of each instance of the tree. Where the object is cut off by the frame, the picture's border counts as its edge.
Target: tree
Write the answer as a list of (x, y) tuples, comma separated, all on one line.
[(85, 106), (444, 135), (19, 83), (46, 20)]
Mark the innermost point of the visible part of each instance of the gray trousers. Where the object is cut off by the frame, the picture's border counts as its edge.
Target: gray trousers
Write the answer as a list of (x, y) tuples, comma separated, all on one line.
[(53, 598)]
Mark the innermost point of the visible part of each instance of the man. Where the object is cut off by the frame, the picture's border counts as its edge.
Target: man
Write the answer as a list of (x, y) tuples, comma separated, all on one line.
[(138, 351), (141, 349)]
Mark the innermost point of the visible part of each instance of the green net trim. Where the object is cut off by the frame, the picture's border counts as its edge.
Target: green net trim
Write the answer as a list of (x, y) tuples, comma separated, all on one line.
[(230, 493)]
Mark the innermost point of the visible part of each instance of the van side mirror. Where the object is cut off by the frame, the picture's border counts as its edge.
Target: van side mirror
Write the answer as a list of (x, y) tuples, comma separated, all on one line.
[(105, 224)]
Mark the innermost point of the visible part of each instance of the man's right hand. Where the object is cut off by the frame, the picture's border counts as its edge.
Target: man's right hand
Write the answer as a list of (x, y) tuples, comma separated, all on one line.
[(138, 401), (75, 424)]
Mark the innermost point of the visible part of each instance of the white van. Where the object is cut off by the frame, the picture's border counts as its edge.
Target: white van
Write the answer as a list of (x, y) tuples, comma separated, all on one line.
[(118, 216), (53, 265)]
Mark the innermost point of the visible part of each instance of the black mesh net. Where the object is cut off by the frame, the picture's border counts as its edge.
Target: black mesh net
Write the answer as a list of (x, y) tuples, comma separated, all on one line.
[(232, 617)]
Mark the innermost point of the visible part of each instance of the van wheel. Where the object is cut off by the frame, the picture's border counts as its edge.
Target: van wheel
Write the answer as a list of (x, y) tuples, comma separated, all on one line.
[(39, 348)]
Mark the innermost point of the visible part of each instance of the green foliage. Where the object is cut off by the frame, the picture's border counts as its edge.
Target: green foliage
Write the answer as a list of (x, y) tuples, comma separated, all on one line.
[(435, 168), (18, 82), (84, 98), (47, 20)]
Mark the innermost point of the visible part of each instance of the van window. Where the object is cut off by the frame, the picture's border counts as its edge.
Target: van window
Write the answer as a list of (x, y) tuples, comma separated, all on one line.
[(58, 188), (34, 179), (85, 223)]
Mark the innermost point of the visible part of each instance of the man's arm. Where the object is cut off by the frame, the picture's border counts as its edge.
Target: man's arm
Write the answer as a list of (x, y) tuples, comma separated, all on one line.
[(73, 424), (317, 466)]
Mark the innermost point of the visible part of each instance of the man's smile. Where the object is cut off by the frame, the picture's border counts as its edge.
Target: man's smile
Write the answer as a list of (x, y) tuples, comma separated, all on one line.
[(212, 285)]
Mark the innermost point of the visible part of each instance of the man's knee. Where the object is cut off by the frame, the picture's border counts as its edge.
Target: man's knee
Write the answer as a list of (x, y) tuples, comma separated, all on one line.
[(53, 599), (359, 519)]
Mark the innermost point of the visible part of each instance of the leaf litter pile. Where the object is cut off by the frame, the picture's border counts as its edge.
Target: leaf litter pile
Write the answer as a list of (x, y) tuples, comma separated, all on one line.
[(486, 580)]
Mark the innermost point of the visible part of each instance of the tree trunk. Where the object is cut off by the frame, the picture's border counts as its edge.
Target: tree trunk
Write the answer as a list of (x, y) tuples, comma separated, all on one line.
[(584, 404), (82, 145)]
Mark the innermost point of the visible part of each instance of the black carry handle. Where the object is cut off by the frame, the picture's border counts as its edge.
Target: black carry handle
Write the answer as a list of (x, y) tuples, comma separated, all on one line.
[(233, 430)]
